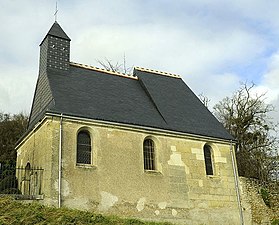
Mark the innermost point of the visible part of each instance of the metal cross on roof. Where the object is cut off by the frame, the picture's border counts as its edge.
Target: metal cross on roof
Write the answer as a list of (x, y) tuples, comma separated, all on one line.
[(56, 11)]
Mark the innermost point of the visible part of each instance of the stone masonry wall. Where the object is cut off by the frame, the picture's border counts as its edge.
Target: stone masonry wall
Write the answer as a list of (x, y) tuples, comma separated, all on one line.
[(116, 182), (254, 208)]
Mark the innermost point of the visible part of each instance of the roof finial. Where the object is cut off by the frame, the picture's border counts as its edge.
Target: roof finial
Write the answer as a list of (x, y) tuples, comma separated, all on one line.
[(56, 11)]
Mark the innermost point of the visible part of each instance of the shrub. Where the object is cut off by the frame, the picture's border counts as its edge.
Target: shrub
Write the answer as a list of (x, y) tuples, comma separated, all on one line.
[(265, 197)]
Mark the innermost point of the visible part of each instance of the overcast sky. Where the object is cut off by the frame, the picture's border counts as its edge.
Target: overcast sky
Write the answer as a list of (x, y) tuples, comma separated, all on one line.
[(214, 45)]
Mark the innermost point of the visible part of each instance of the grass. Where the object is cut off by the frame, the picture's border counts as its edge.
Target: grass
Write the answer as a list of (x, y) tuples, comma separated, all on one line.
[(15, 212), (275, 222)]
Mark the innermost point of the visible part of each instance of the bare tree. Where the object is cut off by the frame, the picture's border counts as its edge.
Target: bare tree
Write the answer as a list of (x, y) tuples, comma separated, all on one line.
[(246, 117), (116, 67), (204, 99)]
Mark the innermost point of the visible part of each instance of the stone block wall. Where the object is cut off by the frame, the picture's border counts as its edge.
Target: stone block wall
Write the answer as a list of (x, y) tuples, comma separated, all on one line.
[(178, 191), (254, 208)]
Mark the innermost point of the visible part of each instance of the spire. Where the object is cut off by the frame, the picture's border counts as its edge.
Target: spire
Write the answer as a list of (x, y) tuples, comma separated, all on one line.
[(55, 49), (57, 31)]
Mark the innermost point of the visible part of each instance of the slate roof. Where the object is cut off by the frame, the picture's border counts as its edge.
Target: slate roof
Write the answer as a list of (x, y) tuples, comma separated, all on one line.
[(57, 31), (148, 98)]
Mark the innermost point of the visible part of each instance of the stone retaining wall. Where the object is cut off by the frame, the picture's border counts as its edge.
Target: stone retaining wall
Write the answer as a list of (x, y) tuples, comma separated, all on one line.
[(254, 208)]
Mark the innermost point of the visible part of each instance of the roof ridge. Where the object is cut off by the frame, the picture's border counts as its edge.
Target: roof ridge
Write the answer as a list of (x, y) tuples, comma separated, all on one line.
[(157, 72), (103, 70)]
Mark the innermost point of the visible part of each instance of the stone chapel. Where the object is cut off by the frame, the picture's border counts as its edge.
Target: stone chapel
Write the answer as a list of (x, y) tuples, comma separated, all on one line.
[(140, 145)]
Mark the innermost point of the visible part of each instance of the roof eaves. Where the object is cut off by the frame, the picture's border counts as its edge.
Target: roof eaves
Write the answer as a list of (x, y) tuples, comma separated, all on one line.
[(138, 126)]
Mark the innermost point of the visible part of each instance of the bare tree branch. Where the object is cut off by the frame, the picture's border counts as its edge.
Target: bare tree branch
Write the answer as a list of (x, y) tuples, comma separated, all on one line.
[(246, 118), (204, 99), (116, 67)]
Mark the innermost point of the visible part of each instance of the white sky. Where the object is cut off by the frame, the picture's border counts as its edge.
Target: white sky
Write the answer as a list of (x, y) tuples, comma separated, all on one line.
[(214, 45)]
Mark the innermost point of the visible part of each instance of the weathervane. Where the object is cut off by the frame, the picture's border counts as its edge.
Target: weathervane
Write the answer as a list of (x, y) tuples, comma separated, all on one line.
[(56, 11)]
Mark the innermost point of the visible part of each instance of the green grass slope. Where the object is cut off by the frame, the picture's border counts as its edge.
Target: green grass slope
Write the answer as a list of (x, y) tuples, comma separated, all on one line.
[(14, 212)]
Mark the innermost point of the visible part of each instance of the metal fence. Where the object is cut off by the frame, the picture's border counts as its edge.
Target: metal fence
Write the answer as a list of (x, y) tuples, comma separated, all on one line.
[(25, 181)]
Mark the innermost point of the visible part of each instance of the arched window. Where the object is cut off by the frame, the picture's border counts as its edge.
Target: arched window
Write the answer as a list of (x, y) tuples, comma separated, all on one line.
[(149, 154), (83, 148), (208, 159)]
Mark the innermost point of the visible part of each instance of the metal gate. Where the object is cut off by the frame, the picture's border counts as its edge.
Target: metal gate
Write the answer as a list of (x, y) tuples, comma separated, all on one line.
[(22, 181)]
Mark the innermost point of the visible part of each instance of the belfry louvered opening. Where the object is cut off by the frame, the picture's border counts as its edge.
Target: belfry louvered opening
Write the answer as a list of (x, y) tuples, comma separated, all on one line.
[(83, 148), (149, 154)]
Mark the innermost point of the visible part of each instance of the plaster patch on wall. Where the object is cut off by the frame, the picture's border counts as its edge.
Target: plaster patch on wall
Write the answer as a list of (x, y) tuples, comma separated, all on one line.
[(198, 152), (175, 158), (64, 163), (178, 183), (174, 212), (110, 133), (217, 153), (78, 203), (140, 204), (107, 201), (203, 205), (157, 212), (199, 157), (162, 205), (200, 183), (159, 167), (65, 189), (218, 157), (187, 170)]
